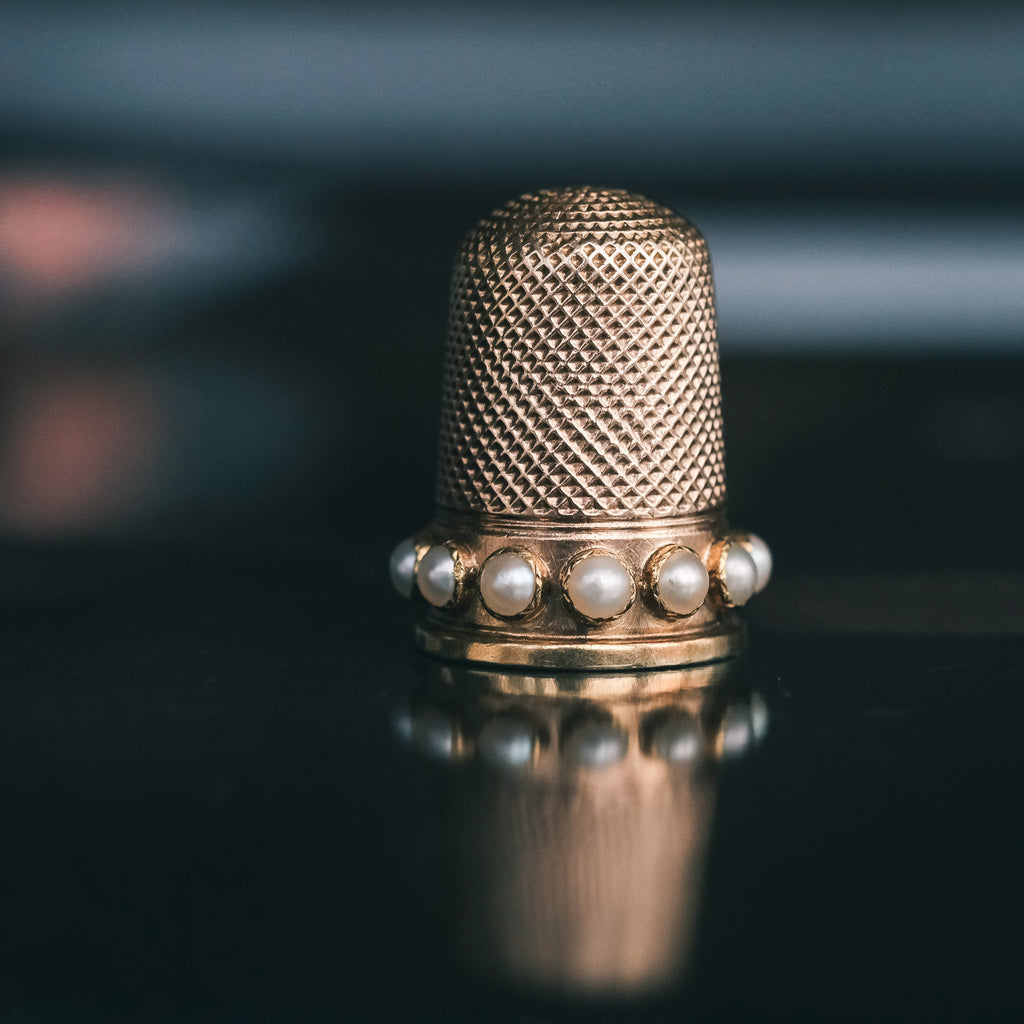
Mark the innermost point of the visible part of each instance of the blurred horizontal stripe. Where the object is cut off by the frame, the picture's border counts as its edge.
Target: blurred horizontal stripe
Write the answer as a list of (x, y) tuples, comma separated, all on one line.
[(457, 91), (869, 279)]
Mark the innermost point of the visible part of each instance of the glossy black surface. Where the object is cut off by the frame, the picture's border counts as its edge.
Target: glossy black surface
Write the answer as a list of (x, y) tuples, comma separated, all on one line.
[(207, 816), (206, 813)]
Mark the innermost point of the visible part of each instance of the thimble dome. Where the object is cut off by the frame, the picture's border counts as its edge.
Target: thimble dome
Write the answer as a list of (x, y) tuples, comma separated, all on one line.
[(581, 371)]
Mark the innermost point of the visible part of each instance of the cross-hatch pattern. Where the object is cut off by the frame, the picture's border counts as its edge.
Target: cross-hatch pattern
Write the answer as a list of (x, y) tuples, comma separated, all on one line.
[(581, 374)]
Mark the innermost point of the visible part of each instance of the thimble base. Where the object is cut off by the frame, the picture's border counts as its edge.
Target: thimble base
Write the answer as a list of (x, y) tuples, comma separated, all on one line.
[(725, 639)]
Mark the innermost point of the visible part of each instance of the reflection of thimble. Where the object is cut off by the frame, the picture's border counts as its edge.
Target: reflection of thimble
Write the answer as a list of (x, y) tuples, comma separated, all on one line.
[(579, 826), (581, 486)]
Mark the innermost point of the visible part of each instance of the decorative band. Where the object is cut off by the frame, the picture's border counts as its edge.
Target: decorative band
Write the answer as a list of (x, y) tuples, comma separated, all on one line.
[(596, 583)]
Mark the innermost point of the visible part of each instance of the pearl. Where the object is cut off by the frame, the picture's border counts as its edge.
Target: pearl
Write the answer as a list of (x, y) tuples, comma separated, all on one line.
[(762, 556), (508, 584), (403, 567), (596, 744), (600, 587), (678, 738), (682, 583), (435, 575), (739, 574)]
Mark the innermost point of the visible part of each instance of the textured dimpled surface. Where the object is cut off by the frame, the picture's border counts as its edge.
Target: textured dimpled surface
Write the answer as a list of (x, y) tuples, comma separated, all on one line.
[(581, 373)]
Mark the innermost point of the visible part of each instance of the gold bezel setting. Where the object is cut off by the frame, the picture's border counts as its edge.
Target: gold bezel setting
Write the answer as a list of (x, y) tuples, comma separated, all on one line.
[(651, 581), (717, 557), (463, 571), (566, 574), (540, 584)]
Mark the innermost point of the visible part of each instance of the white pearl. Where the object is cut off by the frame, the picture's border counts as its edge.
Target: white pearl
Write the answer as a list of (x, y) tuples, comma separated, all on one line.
[(435, 575), (507, 583), (682, 582), (403, 567), (762, 556), (600, 587), (739, 573)]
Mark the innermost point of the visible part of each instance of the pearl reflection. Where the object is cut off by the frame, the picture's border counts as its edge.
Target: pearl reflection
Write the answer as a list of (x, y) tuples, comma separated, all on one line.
[(579, 825)]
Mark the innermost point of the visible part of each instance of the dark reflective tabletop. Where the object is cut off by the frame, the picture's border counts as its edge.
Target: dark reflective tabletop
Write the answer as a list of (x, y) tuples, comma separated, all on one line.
[(232, 792)]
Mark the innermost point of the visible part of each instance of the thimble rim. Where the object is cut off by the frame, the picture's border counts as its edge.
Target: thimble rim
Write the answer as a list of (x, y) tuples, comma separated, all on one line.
[(724, 639)]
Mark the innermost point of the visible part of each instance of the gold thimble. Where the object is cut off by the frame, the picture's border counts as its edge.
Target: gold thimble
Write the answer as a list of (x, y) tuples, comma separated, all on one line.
[(580, 505)]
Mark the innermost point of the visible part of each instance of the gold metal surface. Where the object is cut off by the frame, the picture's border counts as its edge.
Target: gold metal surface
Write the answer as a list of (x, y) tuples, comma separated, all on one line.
[(581, 375), (581, 410), (723, 640)]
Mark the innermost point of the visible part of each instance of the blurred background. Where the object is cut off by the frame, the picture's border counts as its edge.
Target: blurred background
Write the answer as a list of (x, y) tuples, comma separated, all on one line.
[(226, 232)]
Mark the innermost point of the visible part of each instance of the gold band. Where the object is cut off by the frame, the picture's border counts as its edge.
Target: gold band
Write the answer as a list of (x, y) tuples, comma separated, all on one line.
[(725, 639)]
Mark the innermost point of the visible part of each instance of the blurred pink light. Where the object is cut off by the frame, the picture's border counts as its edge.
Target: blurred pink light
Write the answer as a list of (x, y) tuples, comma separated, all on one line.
[(59, 236)]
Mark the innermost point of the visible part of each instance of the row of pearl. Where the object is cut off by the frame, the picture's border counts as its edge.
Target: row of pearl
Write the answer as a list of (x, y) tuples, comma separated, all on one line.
[(596, 584)]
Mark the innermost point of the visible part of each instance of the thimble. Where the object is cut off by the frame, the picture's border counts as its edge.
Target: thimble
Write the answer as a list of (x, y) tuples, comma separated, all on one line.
[(580, 503)]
